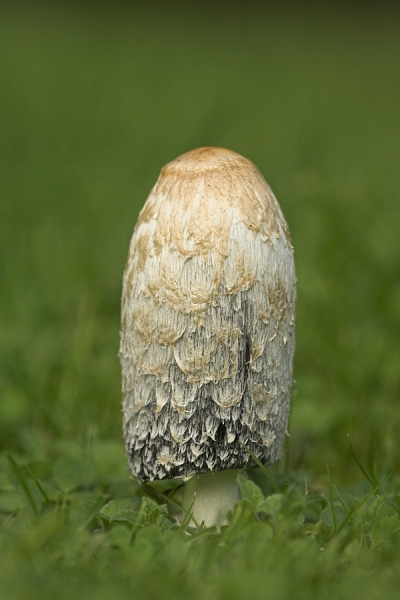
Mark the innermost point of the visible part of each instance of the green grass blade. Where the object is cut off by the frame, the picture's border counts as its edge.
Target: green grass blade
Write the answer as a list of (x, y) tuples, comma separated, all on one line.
[(136, 526), (374, 451), (263, 469), (97, 506), (331, 497), (39, 486), (188, 517), (22, 481), (361, 465), (363, 501), (342, 501), (152, 492), (366, 474)]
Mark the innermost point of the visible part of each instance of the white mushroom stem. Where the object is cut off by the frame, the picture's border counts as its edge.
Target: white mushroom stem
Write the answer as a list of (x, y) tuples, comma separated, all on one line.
[(209, 497)]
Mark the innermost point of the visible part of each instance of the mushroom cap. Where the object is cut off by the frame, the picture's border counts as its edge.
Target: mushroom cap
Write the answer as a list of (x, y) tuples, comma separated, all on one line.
[(208, 314)]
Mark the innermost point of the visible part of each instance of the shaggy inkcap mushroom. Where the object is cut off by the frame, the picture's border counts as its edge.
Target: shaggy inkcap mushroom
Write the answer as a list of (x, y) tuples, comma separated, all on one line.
[(208, 316)]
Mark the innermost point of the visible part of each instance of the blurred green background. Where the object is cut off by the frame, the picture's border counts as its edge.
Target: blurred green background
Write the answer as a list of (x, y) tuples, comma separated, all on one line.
[(96, 97)]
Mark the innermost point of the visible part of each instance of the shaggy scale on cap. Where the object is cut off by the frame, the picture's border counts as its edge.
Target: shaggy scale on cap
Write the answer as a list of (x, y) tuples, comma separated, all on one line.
[(208, 317)]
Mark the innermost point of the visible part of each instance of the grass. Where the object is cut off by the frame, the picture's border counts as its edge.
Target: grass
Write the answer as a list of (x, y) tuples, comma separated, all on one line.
[(95, 99)]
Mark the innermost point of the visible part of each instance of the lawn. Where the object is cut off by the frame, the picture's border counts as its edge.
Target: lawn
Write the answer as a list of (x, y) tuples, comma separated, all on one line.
[(95, 99)]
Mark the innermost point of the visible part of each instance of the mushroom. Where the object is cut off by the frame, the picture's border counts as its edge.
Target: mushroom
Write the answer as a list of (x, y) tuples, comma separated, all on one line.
[(207, 332)]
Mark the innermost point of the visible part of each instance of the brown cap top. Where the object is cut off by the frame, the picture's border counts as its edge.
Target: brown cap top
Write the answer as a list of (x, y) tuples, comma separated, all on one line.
[(195, 196), (206, 159)]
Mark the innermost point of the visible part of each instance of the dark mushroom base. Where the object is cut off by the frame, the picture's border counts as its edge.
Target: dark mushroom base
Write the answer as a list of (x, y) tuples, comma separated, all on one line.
[(158, 456)]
